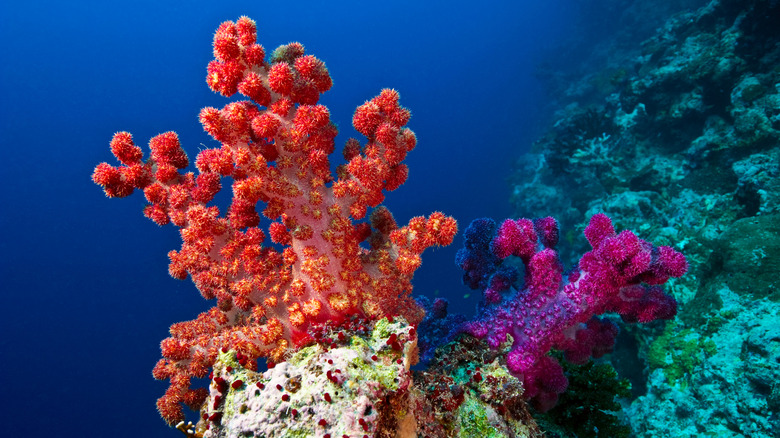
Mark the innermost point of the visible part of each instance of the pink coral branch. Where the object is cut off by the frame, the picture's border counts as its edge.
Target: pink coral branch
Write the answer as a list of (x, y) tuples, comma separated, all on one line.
[(619, 275)]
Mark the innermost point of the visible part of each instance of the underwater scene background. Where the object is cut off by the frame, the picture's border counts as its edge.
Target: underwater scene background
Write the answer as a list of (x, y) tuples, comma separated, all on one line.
[(664, 115)]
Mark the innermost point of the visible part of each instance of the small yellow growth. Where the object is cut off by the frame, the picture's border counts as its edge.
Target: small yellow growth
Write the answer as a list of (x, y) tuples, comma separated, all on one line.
[(296, 315), (363, 277), (338, 302), (291, 190), (371, 308), (312, 307), (284, 162), (250, 188), (273, 331), (242, 156), (319, 278), (213, 80), (271, 301), (297, 287), (357, 210), (315, 197), (242, 287), (310, 252), (408, 262), (259, 165), (232, 267), (278, 354), (322, 282), (258, 313), (303, 232), (285, 276), (352, 264), (384, 262), (301, 174), (289, 257), (339, 189), (274, 289)]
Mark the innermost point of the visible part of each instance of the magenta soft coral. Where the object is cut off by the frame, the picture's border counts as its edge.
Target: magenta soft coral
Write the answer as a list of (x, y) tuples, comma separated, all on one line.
[(621, 274)]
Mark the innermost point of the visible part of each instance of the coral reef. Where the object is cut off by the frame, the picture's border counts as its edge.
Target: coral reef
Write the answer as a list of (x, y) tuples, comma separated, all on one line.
[(683, 148), (327, 303), (737, 360)]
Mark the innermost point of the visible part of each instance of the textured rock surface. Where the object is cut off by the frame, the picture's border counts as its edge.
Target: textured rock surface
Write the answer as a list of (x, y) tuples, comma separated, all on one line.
[(731, 390), (361, 385), (683, 146)]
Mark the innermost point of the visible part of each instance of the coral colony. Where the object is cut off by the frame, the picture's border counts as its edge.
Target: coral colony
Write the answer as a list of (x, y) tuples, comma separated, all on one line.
[(329, 306)]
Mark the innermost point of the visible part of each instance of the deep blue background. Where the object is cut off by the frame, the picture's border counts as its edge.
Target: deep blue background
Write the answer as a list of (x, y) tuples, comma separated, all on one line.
[(84, 283)]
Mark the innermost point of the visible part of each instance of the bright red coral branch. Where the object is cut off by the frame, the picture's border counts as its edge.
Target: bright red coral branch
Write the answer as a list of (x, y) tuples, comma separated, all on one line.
[(275, 147)]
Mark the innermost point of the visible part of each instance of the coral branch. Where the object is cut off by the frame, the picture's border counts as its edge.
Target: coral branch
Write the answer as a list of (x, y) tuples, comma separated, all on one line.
[(619, 275), (275, 147)]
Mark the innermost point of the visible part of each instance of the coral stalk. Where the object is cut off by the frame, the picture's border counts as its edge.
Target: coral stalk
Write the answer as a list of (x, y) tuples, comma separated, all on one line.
[(275, 148)]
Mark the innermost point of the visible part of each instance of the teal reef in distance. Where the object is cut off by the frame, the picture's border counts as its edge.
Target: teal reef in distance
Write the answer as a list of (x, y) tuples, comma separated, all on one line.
[(678, 138)]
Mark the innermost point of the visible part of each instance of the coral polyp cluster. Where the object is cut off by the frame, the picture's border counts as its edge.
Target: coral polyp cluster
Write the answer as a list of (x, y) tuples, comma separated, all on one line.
[(275, 147), (325, 297)]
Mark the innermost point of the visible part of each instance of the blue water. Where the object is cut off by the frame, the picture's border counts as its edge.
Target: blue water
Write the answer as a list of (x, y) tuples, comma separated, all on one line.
[(86, 294)]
